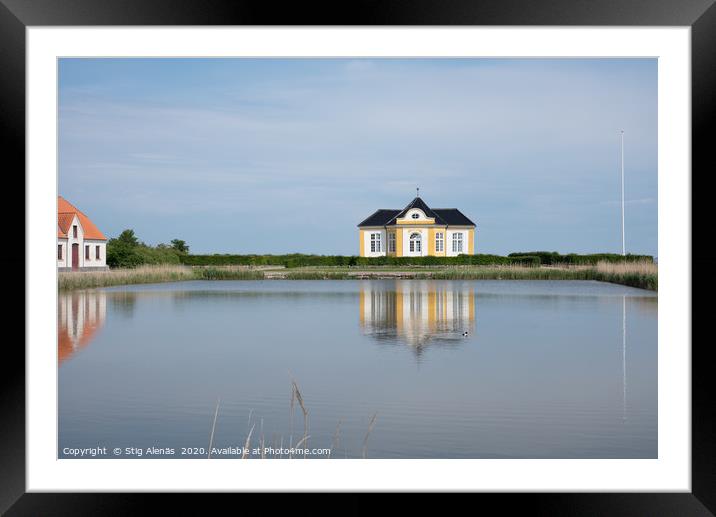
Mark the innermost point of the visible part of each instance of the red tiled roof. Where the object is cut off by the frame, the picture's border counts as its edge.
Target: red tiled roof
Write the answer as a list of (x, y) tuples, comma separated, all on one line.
[(65, 213), (63, 223)]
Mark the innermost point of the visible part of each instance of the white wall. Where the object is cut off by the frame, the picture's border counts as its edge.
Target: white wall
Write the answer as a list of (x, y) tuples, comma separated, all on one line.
[(63, 262), (80, 240), (448, 243), (67, 245), (93, 262), (383, 242), (407, 232)]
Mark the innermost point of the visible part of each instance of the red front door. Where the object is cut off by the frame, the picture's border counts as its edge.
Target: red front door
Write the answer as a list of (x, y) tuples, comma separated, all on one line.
[(75, 256)]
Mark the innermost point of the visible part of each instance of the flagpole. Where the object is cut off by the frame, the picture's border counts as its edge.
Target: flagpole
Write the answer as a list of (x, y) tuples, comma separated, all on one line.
[(623, 246)]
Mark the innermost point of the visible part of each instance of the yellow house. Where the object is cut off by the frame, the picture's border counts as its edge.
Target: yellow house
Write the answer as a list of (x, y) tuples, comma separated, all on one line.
[(416, 231)]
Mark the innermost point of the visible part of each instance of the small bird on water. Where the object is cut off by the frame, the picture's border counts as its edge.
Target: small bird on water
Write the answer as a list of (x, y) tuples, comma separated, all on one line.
[(464, 334)]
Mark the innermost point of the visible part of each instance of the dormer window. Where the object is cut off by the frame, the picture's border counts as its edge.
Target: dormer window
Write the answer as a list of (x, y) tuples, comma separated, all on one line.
[(415, 216)]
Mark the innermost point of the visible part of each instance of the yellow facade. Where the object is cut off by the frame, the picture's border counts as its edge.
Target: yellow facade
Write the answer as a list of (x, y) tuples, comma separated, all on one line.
[(430, 245), (396, 226), (427, 220), (431, 242)]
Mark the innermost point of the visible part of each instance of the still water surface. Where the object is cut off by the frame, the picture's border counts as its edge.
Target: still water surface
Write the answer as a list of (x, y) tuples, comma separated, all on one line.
[(563, 369)]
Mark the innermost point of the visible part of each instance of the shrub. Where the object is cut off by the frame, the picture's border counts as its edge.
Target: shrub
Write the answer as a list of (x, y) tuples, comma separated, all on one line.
[(552, 257), (126, 251)]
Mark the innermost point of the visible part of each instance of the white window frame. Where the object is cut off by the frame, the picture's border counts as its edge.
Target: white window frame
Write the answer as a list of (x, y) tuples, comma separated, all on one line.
[(457, 240), (415, 245), (439, 241), (391, 242), (375, 242)]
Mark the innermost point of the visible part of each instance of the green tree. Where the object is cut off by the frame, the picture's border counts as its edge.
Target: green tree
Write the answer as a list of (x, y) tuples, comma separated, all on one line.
[(127, 251), (128, 237), (180, 245), (122, 251), (121, 254)]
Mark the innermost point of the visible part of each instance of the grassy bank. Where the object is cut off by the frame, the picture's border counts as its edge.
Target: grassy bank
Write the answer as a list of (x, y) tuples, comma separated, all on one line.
[(151, 275), (643, 275), (635, 274)]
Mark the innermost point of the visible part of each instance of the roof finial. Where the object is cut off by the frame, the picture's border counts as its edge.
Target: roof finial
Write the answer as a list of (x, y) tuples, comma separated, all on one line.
[(418, 190)]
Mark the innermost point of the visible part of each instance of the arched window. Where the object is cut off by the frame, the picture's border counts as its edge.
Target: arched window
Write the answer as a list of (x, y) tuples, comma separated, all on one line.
[(415, 240)]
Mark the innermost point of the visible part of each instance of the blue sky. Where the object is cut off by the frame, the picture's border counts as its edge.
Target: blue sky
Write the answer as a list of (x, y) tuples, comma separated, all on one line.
[(289, 155)]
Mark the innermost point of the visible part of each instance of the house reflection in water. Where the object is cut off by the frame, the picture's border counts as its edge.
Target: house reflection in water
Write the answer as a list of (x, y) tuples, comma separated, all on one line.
[(79, 316), (417, 313)]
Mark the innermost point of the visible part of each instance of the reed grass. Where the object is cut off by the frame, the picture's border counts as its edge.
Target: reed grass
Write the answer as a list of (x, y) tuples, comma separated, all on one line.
[(371, 425), (299, 398), (213, 428), (641, 274), (248, 442), (296, 397), (152, 274), (336, 436)]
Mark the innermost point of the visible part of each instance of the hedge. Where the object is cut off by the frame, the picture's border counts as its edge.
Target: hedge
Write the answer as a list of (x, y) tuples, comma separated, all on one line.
[(299, 260), (552, 257), (531, 258)]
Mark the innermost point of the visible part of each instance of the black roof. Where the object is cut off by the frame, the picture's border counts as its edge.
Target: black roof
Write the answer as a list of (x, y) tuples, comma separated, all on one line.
[(453, 216), (417, 203), (446, 216), (379, 217)]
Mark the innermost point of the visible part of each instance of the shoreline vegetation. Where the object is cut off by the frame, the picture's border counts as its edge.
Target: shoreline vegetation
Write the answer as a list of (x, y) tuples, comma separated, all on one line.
[(132, 261), (634, 273)]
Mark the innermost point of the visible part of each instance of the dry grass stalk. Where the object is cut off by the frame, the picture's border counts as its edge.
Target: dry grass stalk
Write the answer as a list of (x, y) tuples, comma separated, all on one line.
[(623, 268), (248, 442), (371, 424), (296, 393), (334, 445), (300, 442), (263, 441), (213, 427)]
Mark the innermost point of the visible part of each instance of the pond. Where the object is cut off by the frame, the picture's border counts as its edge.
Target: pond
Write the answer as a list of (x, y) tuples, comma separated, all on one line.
[(382, 369)]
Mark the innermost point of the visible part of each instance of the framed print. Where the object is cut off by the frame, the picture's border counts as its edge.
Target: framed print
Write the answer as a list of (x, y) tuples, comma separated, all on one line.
[(414, 251)]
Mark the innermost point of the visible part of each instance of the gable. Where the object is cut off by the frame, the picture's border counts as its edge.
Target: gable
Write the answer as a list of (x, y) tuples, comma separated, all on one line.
[(415, 216), (66, 212)]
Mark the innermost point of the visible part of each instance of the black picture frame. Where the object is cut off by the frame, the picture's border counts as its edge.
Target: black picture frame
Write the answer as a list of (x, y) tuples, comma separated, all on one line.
[(700, 15)]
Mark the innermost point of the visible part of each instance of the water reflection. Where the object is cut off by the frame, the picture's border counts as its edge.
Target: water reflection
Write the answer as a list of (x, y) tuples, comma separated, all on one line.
[(79, 316), (546, 373), (417, 313), (624, 393)]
